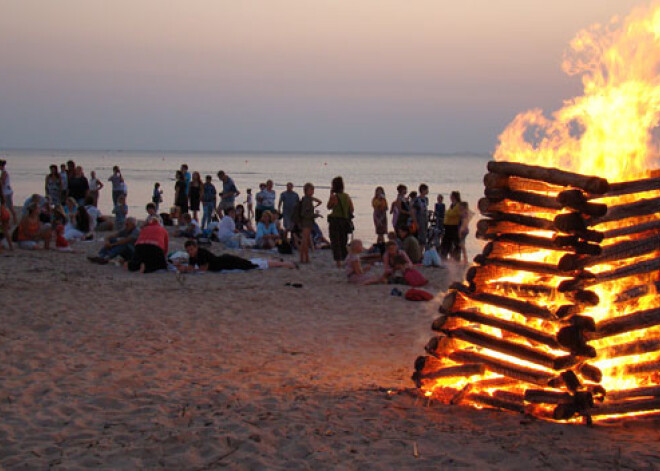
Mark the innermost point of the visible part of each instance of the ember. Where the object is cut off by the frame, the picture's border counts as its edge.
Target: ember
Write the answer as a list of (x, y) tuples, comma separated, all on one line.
[(560, 315)]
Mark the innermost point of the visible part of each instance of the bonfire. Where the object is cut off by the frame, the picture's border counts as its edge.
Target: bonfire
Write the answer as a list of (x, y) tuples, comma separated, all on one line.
[(559, 317)]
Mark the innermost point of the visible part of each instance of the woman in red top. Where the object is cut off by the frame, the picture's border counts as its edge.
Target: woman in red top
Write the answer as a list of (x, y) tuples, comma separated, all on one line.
[(31, 231), (150, 248), (5, 216)]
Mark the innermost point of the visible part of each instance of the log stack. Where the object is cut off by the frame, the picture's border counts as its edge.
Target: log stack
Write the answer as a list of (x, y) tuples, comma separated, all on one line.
[(559, 317)]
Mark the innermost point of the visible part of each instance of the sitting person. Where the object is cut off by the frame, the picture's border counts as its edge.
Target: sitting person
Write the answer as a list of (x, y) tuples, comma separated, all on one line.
[(355, 272), (120, 211), (201, 259), (267, 234), (391, 252), (97, 221), (190, 228), (227, 232), (122, 244), (150, 248), (243, 224), (410, 245), (80, 229), (320, 242), (5, 217), (31, 230)]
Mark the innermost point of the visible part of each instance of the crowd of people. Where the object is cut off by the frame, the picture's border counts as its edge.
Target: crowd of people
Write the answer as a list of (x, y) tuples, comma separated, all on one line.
[(206, 211)]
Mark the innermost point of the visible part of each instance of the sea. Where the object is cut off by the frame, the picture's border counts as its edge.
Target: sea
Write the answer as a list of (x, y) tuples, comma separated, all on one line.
[(361, 172)]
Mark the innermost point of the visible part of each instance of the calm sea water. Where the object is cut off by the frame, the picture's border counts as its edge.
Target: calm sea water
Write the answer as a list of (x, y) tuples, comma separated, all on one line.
[(361, 173)]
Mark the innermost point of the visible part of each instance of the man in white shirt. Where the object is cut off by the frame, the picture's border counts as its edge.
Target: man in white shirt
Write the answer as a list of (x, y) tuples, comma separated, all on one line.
[(227, 233)]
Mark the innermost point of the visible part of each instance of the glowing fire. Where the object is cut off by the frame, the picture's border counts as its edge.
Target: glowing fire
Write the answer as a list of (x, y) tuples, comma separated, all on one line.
[(611, 132)]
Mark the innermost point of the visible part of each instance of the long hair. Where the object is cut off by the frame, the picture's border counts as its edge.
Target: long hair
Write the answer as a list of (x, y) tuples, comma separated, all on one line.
[(337, 185)]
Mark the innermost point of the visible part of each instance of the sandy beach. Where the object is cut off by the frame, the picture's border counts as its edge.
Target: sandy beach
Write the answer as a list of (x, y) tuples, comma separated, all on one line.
[(105, 369)]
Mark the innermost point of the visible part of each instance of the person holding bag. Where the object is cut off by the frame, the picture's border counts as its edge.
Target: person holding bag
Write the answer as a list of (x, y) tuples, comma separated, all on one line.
[(339, 220)]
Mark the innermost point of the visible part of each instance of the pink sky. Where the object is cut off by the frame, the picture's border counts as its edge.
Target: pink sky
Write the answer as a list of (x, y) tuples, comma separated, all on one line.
[(324, 75)]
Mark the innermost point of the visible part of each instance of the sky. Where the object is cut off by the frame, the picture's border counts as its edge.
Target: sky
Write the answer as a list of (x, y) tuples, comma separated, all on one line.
[(417, 76)]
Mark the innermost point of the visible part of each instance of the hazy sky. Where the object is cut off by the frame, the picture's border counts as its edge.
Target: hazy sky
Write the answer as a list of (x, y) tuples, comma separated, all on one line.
[(278, 75)]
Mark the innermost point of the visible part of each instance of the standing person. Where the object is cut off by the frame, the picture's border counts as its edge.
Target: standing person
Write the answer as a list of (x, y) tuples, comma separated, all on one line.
[(195, 194), (305, 219), (259, 197), (78, 186), (286, 205), (180, 195), (117, 187), (64, 176), (421, 211), (439, 219), (157, 195), (7, 191), (95, 185), (120, 210), (464, 230), (268, 197), (250, 204), (451, 241), (54, 186), (208, 201), (186, 175), (400, 207), (339, 219), (150, 248), (229, 191), (379, 203)]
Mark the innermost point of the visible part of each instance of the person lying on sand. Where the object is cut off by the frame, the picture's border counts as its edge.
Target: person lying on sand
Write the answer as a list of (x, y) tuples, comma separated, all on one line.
[(201, 259)]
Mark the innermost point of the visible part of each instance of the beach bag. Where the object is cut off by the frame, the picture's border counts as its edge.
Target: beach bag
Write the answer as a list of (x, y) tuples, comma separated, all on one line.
[(414, 294), (431, 258), (414, 278)]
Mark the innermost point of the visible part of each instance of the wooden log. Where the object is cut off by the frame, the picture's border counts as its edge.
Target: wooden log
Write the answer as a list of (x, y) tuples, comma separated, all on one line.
[(632, 186), (521, 265), (626, 407), (494, 382), (544, 396), (523, 289), (642, 207), (614, 252), (637, 347), (487, 207), (495, 195), (571, 244), (590, 372), (510, 396), (647, 391), (447, 304), (635, 292), (509, 326), (639, 268), (629, 323), (505, 368), (525, 308), (638, 368), (553, 176), (497, 180), (634, 229), (491, 401), (576, 200), (467, 370), (522, 220), (506, 347), (460, 395)]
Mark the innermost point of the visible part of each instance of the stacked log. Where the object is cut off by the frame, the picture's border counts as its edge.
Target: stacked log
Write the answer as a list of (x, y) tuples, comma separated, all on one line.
[(544, 312)]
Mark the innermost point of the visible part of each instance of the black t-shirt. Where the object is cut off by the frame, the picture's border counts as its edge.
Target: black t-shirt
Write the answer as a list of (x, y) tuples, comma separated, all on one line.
[(78, 187), (220, 262)]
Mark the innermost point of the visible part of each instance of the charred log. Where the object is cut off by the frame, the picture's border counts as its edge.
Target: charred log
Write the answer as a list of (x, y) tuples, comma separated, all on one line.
[(525, 308), (648, 391), (576, 200), (637, 347), (634, 229), (627, 407), (553, 176), (620, 251), (502, 367), (544, 396), (520, 265), (642, 207), (633, 186), (631, 322), (491, 401), (495, 195)]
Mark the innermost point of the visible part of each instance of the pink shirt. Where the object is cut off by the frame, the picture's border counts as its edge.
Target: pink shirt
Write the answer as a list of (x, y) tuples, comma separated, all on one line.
[(154, 234)]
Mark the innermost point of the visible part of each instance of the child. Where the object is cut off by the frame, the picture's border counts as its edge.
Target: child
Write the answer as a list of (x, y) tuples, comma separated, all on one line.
[(354, 271), (157, 196), (250, 207), (120, 211), (191, 229)]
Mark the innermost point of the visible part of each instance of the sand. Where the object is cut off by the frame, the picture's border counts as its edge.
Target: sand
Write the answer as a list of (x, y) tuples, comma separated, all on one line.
[(105, 369)]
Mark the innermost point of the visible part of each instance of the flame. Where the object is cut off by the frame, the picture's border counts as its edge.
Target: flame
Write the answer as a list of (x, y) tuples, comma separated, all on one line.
[(608, 131), (611, 131)]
